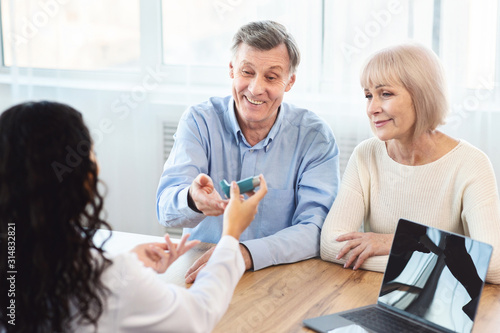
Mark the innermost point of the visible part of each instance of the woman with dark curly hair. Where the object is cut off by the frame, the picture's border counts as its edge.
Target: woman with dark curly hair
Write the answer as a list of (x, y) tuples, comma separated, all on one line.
[(63, 281)]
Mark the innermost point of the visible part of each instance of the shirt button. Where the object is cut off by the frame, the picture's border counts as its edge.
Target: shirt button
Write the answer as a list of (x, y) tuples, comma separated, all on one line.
[(251, 150)]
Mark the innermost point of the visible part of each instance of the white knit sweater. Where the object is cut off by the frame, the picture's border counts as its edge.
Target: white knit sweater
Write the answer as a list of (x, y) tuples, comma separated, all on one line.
[(457, 193)]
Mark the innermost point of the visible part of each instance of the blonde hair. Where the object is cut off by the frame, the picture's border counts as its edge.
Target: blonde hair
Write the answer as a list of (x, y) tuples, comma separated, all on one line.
[(419, 71)]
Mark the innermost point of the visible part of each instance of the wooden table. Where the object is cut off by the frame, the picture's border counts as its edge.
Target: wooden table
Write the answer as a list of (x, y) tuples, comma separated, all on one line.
[(278, 298)]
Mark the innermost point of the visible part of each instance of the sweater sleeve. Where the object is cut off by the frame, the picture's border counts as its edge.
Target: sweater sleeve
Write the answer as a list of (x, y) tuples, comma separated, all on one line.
[(349, 211)]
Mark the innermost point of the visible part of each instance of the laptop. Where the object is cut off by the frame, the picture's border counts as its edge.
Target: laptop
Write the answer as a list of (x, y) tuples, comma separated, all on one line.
[(432, 283)]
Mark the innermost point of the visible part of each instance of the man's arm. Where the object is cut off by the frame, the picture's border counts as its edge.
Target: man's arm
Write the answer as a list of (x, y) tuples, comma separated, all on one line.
[(187, 160)]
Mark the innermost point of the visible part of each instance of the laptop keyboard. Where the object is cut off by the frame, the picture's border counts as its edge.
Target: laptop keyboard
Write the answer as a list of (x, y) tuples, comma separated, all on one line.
[(381, 321)]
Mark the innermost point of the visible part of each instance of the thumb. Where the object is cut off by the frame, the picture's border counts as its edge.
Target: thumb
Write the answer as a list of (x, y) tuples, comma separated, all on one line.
[(235, 190), (204, 180)]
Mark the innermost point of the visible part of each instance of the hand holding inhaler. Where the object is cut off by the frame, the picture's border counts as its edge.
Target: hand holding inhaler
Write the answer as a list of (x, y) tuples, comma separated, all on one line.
[(245, 185)]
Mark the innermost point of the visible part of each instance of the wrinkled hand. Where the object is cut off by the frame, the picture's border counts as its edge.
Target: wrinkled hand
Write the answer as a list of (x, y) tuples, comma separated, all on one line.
[(154, 255), (363, 245), (199, 264), (205, 197)]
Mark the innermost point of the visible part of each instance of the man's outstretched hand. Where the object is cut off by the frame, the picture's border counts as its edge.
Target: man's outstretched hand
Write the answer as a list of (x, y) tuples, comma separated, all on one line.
[(205, 197)]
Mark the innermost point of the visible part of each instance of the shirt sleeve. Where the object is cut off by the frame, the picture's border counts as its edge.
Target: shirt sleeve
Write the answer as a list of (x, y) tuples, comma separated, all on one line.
[(148, 304), (347, 214), (317, 187), (187, 160)]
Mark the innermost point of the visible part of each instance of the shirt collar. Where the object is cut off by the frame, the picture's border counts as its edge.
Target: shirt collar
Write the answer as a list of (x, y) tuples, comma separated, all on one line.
[(238, 134), (235, 127)]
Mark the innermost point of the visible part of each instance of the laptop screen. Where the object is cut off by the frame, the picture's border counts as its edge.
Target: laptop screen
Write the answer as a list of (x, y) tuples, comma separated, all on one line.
[(435, 276)]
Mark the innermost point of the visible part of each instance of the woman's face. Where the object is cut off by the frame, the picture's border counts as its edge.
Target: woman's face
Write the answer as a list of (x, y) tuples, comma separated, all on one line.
[(391, 112), (90, 180), (93, 158)]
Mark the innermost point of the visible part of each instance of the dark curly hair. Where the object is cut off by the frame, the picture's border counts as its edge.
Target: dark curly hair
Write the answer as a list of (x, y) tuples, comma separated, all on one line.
[(50, 209)]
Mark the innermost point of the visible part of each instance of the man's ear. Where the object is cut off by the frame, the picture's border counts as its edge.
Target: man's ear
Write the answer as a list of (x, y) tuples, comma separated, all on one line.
[(231, 70), (291, 81)]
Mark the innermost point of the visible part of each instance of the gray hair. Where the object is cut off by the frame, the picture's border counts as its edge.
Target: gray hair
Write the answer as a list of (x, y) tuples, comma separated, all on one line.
[(266, 35)]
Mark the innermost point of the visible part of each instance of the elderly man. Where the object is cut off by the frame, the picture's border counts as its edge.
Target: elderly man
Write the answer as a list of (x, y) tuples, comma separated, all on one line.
[(249, 133)]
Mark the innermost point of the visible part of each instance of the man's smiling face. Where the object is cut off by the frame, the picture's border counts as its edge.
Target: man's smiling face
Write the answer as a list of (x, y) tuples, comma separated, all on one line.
[(260, 80)]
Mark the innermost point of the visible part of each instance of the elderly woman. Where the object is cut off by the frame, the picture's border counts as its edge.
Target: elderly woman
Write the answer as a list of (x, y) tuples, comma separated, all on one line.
[(410, 169)]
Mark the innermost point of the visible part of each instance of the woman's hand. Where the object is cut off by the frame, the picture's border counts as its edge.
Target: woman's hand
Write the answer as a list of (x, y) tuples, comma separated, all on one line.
[(363, 245), (240, 213), (160, 256)]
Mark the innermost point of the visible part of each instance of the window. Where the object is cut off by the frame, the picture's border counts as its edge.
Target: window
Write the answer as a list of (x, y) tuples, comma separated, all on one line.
[(202, 38), (77, 34)]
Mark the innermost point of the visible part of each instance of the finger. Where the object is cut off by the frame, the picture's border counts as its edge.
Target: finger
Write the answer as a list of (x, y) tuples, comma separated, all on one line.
[(354, 255), (360, 260), (205, 181), (168, 242), (158, 252), (163, 246), (195, 185), (346, 248), (234, 190), (202, 183), (201, 261), (211, 205), (350, 260), (162, 263), (192, 277), (153, 253), (183, 240), (348, 236), (190, 245), (257, 196), (182, 247), (202, 179), (172, 248), (195, 266)]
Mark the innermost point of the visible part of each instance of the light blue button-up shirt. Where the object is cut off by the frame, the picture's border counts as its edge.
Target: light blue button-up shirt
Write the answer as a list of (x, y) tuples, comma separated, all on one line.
[(298, 158)]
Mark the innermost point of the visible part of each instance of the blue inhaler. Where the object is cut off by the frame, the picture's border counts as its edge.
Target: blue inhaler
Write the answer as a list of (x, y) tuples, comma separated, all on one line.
[(245, 185)]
